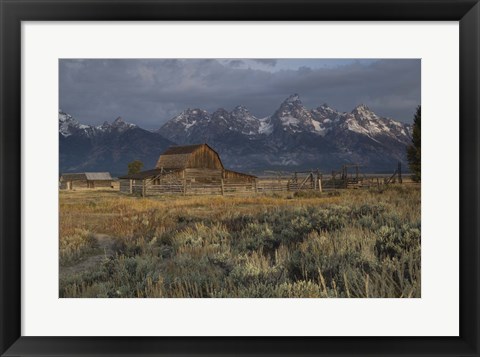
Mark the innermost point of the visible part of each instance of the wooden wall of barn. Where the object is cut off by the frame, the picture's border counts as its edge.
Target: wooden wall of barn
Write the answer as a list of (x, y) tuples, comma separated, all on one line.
[(202, 175), (78, 184), (237, 176), (102, 184), (84, 184), (204, 157)]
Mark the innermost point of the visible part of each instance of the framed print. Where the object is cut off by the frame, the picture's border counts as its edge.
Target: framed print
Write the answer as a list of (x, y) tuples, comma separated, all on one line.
[(239, 178)]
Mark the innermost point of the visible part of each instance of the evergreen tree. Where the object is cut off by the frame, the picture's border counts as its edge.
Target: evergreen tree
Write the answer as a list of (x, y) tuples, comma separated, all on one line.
[(414, 151), (135, 167)]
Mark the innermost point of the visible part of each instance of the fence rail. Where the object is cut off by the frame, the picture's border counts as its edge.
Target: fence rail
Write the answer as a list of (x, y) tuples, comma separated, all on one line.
[(222, 187), (298, 182)]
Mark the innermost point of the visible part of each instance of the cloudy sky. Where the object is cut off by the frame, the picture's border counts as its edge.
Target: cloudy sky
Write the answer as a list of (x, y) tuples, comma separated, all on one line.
[(148, 92)]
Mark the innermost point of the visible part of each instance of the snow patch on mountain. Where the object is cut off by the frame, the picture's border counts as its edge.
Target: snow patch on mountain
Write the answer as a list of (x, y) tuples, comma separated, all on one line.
[(189, 125), (265, 127), (289, 120), (319, 128), (68, 125)]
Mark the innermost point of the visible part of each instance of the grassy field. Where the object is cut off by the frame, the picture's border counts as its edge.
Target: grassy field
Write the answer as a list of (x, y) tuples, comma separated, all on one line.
[(349, 243)]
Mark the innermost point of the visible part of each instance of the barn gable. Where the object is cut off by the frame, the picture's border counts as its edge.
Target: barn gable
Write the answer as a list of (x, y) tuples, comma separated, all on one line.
[(190, 156)]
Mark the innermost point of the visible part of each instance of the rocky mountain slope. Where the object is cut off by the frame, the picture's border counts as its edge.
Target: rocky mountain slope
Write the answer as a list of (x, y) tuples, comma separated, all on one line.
[(292, 138), (295, 137), (108, 147)]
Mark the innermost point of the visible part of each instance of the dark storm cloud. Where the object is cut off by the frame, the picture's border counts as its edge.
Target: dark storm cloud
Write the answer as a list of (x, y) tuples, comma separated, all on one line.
[(236, 63), (266, 61), (150, 92)]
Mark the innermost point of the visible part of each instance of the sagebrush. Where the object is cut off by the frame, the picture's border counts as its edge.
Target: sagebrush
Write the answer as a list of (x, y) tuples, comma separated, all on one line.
[(355, 243)]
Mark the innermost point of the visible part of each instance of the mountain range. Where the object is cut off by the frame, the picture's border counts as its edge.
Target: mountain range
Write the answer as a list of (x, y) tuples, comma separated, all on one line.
[(292, 138), (108, 147)]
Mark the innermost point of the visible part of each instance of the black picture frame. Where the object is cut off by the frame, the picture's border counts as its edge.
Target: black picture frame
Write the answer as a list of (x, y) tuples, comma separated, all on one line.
[(13, 12)]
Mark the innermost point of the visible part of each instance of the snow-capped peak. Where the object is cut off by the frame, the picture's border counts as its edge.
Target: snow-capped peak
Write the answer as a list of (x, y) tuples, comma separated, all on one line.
[(363, 110), (189, 113), (118, 124), (362, 107), (242, 113), (68, 125), (118, 121), (240, 109), (62, 116), (325, 112), (364, 121), (292, 98), (292, 117)]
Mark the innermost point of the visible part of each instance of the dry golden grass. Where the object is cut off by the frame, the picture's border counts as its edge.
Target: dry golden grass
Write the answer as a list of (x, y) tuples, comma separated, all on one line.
[(354, 243)]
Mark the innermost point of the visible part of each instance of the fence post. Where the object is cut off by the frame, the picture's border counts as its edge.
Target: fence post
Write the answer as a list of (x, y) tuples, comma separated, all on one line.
[(221, 186), (184, 187), (144, 188), (319, 183), (131, 186)]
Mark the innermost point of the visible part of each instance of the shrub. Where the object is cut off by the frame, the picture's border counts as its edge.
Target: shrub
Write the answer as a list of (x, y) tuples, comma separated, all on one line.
[(77, 245), (357, 244), (394, 243), (256, 237)]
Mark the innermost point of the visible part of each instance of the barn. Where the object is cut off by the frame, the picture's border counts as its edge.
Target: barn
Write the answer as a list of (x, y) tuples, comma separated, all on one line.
[(85, 180), (191, 169)]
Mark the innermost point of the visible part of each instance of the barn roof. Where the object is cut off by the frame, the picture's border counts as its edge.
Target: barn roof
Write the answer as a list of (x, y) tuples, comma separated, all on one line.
[(187, 149), (241, 173), (178, 161), (73, 177), (98, 176), (91, 176)]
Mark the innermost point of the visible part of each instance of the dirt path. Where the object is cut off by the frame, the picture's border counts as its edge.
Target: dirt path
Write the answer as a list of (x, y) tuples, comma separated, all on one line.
[(92, 262)]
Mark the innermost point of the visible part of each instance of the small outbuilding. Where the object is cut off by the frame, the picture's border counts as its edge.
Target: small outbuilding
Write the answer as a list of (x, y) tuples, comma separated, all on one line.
[(85, 180), (191, 168)]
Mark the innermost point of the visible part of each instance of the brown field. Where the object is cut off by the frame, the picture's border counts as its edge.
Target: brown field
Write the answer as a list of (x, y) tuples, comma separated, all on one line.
[(346, 243)]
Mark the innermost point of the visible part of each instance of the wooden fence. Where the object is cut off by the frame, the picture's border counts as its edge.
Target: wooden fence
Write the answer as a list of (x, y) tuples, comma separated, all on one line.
[(221, 187), (303, 181)]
